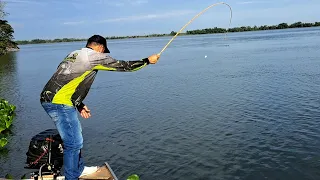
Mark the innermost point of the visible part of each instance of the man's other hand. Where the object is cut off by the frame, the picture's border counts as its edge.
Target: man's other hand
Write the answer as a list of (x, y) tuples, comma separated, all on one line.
[(154, 58), (85, 112)]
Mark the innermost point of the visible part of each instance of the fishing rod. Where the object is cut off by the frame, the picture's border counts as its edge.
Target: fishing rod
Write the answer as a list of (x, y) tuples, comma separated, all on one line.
[(165, 47)]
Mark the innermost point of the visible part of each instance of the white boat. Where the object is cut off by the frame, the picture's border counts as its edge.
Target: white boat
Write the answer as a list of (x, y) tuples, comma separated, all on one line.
[(45, 156), (104, 172)]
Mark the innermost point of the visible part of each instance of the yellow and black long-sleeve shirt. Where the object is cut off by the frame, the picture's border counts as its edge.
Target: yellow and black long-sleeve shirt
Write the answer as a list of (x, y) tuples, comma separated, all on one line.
[(74, 76)]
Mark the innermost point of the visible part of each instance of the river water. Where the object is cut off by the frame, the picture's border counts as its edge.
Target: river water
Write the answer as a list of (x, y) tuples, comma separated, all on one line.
[(241, 107)]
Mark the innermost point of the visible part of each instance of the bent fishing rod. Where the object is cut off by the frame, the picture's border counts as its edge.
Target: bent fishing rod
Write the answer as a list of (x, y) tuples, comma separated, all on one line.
[(195, 17)]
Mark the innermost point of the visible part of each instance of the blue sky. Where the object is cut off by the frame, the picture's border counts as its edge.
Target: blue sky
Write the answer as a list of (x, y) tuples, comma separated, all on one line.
[(49, 19)]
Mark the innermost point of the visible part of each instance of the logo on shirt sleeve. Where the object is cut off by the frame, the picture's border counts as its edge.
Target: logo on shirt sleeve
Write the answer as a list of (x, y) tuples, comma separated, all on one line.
[(71, 58)]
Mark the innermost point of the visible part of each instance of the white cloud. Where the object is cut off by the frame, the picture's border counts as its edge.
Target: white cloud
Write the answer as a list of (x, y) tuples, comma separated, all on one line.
[(148, 16), (74, 23), (119, 3), (136, 18), (252, 2), (138, 1), (22, 1)]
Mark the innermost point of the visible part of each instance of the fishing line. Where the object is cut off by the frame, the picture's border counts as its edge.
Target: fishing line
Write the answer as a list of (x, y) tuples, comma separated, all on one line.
[(165, 47)]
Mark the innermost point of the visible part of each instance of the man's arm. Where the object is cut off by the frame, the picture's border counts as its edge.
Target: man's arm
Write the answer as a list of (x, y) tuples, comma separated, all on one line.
[(110, 64), (106, 62)]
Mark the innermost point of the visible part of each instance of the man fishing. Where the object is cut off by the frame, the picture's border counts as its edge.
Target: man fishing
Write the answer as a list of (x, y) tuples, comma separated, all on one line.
[(64, 93)]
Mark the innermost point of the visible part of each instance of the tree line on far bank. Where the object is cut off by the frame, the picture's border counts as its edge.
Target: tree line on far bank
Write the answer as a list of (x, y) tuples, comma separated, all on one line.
[(192, 32), (254, 28)]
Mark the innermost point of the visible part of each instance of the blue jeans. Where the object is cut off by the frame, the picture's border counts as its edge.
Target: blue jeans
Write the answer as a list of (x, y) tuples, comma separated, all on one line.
[(67, 123)]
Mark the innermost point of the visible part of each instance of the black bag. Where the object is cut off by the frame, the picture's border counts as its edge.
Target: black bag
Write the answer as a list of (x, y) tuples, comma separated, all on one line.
[(39, 150)]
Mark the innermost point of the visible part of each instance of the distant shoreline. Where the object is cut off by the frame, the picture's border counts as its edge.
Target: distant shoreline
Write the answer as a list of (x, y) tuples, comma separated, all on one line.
[(192, 32)]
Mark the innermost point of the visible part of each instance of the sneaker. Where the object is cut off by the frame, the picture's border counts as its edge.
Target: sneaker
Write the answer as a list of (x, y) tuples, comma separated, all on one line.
[(89, 170)]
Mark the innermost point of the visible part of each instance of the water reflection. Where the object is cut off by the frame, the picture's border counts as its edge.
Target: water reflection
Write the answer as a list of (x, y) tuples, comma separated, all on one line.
[(8, 76), (8, 63), (4, 152)]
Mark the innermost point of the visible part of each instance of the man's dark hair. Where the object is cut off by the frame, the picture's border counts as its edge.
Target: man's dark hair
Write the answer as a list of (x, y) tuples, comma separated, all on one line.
[(97, 39)]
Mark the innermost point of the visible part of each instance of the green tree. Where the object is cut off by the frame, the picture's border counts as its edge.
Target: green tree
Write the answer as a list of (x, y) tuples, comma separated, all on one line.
[(283, 26), (173, 33), (296, 25), (307, 24), (6, 32), (6, 37)]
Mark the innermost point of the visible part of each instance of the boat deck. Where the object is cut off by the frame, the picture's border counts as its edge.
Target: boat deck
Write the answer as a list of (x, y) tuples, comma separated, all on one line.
[(104, 172)]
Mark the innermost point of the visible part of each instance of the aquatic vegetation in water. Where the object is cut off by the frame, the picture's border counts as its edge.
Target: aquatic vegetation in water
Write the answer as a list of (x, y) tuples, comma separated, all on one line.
[(133, 177), (3, 142), (9, 176), (6, 119)]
